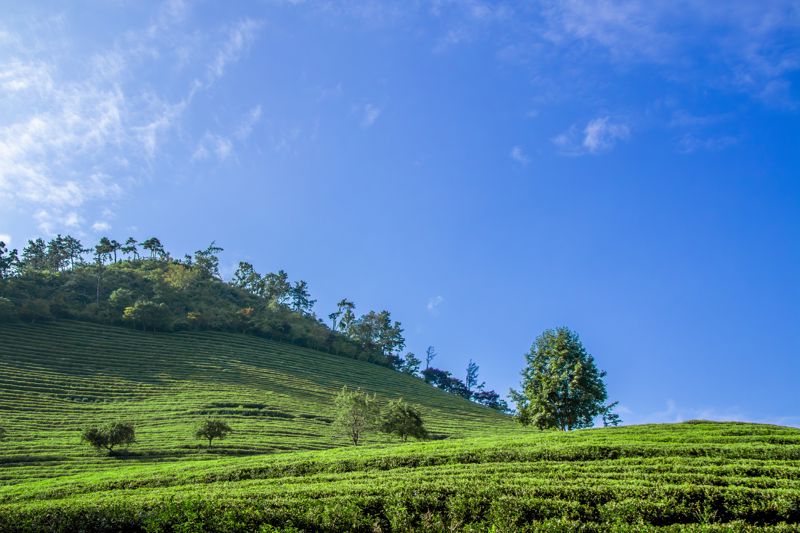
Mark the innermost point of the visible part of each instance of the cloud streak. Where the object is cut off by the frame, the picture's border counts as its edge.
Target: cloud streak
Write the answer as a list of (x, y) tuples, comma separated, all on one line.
[(65, 132), (599, 135)]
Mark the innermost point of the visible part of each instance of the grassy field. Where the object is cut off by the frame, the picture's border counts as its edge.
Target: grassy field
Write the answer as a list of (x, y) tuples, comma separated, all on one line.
[(485, 474), (702, 476), (56, 379)]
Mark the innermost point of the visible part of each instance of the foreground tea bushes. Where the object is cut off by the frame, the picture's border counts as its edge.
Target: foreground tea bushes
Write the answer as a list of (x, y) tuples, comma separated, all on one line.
[(703, 477)]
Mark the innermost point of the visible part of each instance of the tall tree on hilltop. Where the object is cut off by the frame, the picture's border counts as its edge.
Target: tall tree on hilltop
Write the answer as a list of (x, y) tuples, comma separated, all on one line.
[(207, 260), (103, 250), (301, 301), (34, 255), (561, 385), (154, 246), (345, 313), (277, 288), (245, 277), (130, 249), (114, 247), (8, 261), (74, 250), (57, 254), (376, 332)]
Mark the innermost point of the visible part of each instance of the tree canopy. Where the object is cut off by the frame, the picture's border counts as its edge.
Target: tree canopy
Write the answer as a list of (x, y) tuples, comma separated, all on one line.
[(404, 420), (212, 429), (110, 436), (561, 387), (357, 414)]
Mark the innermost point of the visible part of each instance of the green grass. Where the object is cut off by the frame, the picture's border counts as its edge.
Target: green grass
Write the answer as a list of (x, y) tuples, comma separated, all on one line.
[(487, 475), (56, 379)]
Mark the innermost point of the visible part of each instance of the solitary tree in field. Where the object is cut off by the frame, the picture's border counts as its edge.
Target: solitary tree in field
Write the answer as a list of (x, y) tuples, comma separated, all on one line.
[(107, 437), (561, 385), (403, 420), (213, 429), (356, 414)]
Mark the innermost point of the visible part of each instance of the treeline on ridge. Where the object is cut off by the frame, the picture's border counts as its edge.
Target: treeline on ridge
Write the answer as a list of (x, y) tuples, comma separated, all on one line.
[(141, 285)]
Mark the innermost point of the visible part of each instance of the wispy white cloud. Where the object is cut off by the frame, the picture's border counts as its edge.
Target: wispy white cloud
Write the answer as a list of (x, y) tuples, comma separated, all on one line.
[(369, 114), (250, 120), (599, 135), (674, 413), (5, 238), (433, 304), (690, 143), (240, 37), (65, 132), (101, 226), (519, 155)]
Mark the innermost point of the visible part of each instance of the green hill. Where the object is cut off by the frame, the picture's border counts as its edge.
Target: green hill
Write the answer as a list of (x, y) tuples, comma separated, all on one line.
[(57, 378), (483, 472)]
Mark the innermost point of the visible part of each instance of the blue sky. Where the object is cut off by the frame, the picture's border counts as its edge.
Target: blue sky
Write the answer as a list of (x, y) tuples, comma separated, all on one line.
[(484, 170)]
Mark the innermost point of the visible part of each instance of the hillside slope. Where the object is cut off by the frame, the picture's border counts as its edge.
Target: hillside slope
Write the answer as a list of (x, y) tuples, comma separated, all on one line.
[(694, 476), (57, 378)]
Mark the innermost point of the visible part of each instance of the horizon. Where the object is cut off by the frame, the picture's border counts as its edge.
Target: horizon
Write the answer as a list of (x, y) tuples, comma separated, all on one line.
[(483, 171)]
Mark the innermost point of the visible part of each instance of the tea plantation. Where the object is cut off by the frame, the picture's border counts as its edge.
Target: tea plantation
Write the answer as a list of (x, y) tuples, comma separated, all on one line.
[(482, 473)]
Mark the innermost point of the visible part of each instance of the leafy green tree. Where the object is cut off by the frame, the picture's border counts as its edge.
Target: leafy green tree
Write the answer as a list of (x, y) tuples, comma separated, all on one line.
[(357, 413), (154, 246), (404, 420), (130, 249), (212, 429), (301, 301), (376, 332), (8, 261), (277, 289), (34, 255), (490, 399), (121, 298), (110, 436), (74, 250), (561, 385), (57, 254), (444, 380), (114, 247), (345, 313), (248, 279), (208, 261), (410, 364), (150, 315), (104, 250)]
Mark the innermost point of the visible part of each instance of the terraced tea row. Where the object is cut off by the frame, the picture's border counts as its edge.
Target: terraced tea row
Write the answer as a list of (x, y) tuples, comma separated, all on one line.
[(629, 479), (58, 378)]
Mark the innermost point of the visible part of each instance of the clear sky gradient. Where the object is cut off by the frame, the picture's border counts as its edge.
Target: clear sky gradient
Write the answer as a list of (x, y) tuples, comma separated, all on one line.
[(484, 170)]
